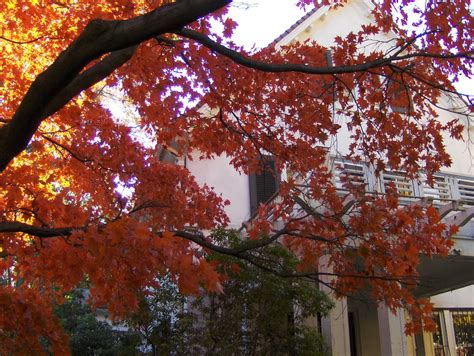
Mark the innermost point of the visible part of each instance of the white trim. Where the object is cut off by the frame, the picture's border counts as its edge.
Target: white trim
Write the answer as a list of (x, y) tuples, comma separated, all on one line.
[(308, 23), (302, 26)]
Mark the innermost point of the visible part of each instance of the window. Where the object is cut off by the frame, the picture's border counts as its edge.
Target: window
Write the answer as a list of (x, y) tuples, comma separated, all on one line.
[(263, 185), (169, 153), (463, 325), (439, 337), (399, 97), (463, 321)]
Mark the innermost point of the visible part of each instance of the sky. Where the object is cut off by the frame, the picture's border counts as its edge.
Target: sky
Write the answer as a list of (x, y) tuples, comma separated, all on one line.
[(265, 20)]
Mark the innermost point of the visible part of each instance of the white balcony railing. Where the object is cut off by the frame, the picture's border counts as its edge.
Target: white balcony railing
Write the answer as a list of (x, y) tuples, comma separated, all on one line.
[(465, 189), (446, 187)]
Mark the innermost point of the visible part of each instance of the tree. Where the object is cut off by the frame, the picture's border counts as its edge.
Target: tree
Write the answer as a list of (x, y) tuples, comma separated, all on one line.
[(87, 335), (163, 322), (81, 196), (259, 313)]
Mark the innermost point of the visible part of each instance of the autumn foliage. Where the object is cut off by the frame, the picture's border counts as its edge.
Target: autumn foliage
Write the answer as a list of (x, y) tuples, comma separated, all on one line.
[(85, 195)]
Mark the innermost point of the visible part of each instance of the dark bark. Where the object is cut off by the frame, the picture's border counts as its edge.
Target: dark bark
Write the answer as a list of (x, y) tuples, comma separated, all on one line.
[(308, 69), (88, 78), (38, 231), (48, 92), (291, 334), (244, 252), (64, 79)]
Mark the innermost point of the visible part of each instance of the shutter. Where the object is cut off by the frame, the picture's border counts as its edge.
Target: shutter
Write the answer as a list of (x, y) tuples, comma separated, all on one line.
[(328, 58), (330, 64), (399, 97), (263, 185), (168, 153)]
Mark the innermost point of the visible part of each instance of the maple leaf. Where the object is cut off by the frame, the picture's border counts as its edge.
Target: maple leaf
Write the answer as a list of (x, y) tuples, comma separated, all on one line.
[(88, 196)]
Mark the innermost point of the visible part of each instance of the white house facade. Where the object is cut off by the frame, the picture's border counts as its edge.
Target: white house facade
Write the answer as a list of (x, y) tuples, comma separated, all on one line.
[(358, 328)]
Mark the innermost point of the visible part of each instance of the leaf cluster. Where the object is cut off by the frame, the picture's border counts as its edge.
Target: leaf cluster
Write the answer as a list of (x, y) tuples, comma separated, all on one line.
[(260, 313), (88, 335)]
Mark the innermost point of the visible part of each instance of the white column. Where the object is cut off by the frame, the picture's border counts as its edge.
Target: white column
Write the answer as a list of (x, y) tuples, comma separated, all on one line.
[(393, 341), (450, 336), (335, 327)]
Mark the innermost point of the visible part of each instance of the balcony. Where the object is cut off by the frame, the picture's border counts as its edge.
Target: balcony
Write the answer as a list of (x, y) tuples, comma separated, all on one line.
[(446, 188), (451, 194)]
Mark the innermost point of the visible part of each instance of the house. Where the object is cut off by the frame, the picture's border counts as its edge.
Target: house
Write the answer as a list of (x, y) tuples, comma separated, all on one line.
[(360, 328)]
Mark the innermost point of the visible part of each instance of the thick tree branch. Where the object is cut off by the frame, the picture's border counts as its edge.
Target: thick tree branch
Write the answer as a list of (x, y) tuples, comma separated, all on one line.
[(307, 69), (88, 78), (275, 67), (242, 252), (63, 79), (98, 38), (236, 252), (47, 232), (39, 231)]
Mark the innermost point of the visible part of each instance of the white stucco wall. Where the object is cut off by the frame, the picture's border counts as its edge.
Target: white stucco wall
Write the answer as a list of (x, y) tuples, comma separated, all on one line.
[(323, 26), (327, 26), (232, 185), (367, 327), (459, 298), (461, 151)]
